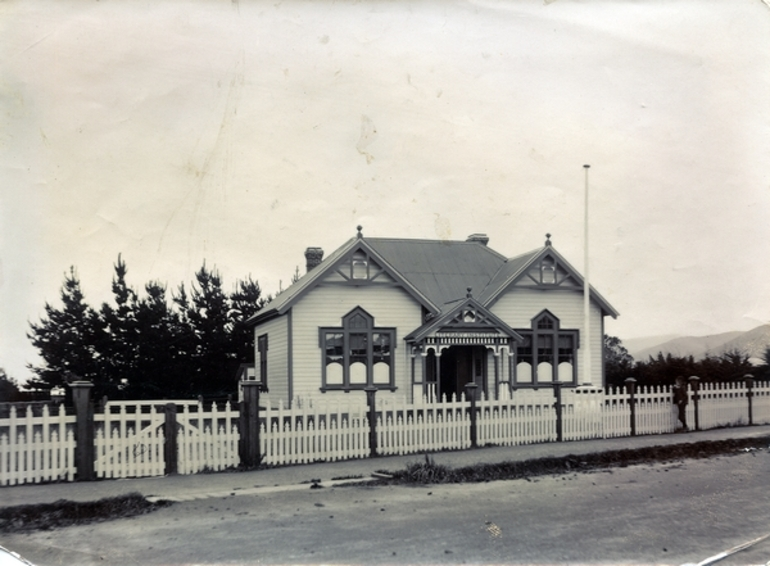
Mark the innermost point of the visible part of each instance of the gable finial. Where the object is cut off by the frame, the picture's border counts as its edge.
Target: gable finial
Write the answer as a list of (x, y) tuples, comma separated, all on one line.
[(469, 295), (547, 239), (359, 228)]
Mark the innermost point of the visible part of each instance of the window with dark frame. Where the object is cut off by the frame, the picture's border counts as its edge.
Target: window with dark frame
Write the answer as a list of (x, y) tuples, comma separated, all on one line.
[(548, 353), (358, 354), (262, 349)]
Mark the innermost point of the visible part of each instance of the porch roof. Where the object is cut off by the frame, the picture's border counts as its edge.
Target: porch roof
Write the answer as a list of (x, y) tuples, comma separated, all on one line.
[(468, 318)]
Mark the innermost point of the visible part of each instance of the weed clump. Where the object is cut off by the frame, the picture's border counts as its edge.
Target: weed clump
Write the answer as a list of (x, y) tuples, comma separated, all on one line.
[(428, 472), (64, 513)]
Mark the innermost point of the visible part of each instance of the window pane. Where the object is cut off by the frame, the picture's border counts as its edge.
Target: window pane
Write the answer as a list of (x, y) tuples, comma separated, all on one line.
[(545, 348), (544, 372), (546, 322), (381, 357), (566, 348), (381, 347), (524, 372), (334, 343), (334, 347), (524, 360), (359, 357), (566, 357)]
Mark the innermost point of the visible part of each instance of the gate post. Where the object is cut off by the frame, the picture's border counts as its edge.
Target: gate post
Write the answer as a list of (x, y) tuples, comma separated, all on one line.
[(694, 381), (631, 388), (84, 430), (372, 417), (749, 394), (249, 424), (170, 443), (558, 406), (470, 392)]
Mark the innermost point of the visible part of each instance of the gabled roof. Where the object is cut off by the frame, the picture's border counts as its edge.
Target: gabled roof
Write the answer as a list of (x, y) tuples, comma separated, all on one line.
[(437, 273), (287, 298), (442, 270), (491, 321), (517, 267)]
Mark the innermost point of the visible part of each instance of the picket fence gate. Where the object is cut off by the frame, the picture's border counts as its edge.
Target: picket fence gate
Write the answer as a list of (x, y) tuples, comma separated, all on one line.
[(207, 441), (141, 439)]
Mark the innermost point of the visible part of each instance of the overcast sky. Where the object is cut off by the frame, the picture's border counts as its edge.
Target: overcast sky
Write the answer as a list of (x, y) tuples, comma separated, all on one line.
[(240, 133)]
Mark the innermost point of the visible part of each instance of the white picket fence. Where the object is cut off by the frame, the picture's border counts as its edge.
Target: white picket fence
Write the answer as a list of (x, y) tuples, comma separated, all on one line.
[(405, 428), (313, 431), (207, 441), (36, 449), (129, 436)]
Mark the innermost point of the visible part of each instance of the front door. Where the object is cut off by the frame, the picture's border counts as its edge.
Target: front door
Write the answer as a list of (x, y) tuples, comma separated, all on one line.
[(461, 365)]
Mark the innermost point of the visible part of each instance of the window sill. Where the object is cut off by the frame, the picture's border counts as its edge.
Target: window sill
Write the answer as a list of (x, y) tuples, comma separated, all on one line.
[(349, 388)]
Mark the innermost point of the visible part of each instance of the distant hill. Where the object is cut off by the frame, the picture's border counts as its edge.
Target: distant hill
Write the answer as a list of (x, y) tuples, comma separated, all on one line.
[(753, 343), (634, 345)]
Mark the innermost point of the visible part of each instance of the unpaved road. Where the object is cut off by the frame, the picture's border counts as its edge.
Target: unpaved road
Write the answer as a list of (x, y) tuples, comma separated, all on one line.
[(648, 514)]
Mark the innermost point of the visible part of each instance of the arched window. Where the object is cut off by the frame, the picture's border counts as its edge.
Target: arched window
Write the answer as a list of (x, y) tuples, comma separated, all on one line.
[(357, 354), (548, 353)]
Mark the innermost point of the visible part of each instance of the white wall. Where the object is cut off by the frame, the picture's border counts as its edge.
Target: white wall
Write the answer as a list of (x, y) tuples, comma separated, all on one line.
[(277, 356), (520, 305), (326, 305)]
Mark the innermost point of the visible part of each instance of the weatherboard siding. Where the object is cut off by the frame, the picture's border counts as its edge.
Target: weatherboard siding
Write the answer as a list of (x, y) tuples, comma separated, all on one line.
[(325, 306), (277, 356), (520, 305)]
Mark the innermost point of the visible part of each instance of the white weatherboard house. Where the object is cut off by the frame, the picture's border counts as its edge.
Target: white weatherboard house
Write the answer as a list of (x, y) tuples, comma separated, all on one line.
[(421, 318)]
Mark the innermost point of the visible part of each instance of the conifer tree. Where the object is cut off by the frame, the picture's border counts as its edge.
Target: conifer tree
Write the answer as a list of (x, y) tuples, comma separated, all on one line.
[(69, 340)]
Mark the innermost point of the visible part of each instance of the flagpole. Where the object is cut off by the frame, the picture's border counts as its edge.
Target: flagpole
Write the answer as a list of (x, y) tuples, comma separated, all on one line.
[(587, 378)]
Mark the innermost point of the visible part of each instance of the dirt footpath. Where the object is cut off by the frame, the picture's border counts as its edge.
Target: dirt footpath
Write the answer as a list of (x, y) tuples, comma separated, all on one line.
[(647, 514)]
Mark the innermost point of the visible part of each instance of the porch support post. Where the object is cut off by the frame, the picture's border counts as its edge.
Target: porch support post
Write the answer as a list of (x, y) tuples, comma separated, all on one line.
[(694, 382), (438, 373), (470, 391), (496, 354), (424, 355), (84, 430), (749, 394), (631, 388), (372, 415)]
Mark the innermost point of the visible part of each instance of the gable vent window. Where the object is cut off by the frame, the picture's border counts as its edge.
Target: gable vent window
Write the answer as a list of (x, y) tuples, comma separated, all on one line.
[(547, 273), (359, 267), (548, 353), (358, 354)]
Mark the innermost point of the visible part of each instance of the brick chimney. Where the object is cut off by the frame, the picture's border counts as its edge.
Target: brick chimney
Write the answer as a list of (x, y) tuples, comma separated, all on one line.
[(482, 239), (313, 256)]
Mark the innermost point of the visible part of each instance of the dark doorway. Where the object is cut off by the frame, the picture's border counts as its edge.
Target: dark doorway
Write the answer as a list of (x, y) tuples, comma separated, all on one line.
[(461, 365)]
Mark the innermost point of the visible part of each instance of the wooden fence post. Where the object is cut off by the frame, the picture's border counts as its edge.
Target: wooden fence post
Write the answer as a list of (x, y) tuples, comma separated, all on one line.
[(170, 443), (749, 394), (558, 406), (249, 424), (694, 381), (84, 430), (372, 416), (631, 389), (470, 393)]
